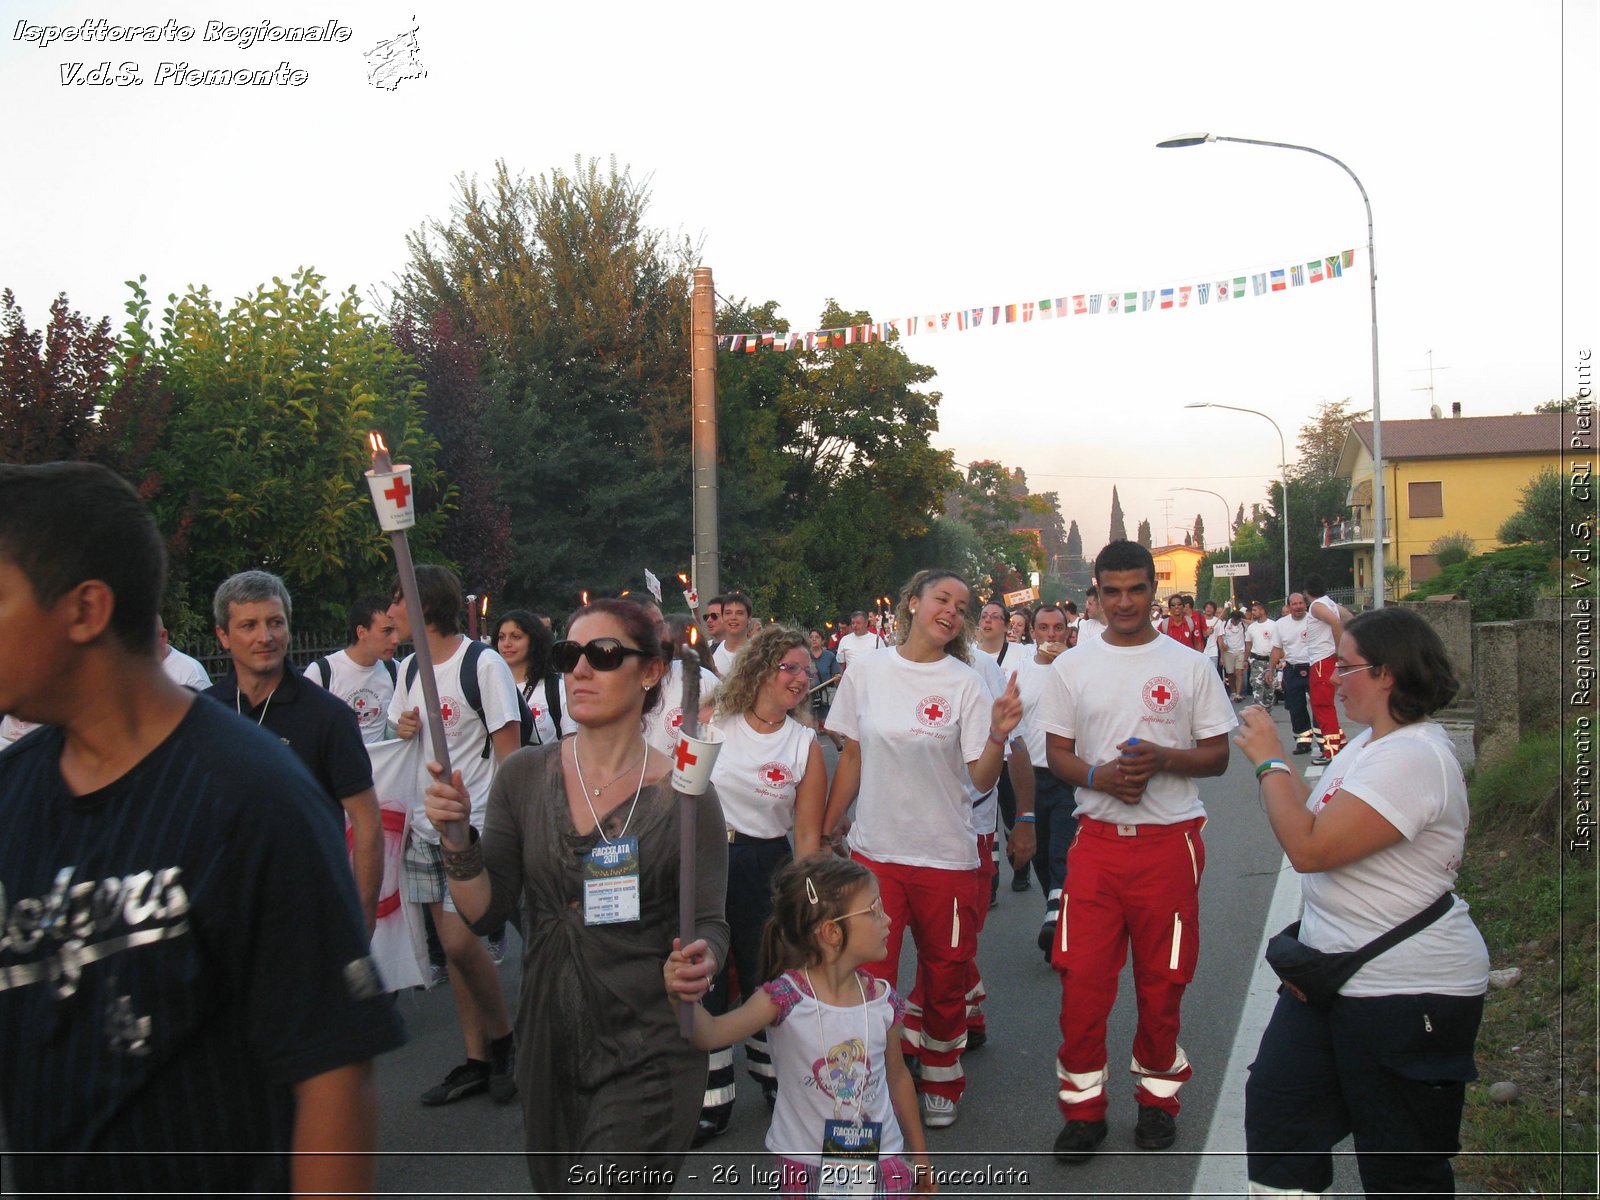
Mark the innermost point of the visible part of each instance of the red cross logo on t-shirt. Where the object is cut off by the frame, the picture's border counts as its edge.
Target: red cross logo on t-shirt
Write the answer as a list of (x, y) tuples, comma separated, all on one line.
[(775, 774), (1160, 694), (933, 711), (449, 711)]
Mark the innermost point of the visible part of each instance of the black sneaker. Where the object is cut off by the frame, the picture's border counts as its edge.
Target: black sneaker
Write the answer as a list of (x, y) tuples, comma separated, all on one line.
[(713, 1122), (502, 1069), (470, 1078), (1047, 934), (1020, 883), (1156, 1129), (1302, 748), (977, 1039), (1077, 1140)]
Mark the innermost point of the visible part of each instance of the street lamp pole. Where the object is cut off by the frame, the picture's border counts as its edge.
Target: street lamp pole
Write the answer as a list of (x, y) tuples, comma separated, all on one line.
[(1228, 525), (1378, 513), (1283, 476)]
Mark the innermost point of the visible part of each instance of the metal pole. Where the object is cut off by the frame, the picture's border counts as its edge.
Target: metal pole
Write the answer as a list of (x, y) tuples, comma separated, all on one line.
[(1227, 513), (707, 560), (1283, 475)]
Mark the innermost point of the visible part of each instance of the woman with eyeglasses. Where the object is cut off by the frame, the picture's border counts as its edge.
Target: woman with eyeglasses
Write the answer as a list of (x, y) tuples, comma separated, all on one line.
[(920, 725), (1377, 840), (771, 781), (583, 834)]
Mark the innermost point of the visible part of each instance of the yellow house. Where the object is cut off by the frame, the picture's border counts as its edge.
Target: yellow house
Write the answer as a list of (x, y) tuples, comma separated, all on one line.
[(1176, 569), (1440, 476)]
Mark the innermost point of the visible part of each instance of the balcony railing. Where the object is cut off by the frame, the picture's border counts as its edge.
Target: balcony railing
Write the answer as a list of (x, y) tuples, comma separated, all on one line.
[(1347, 533)]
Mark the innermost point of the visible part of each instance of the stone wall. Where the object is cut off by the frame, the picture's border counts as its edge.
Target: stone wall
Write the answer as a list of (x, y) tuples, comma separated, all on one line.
[(1515, 666), (1452, 621)]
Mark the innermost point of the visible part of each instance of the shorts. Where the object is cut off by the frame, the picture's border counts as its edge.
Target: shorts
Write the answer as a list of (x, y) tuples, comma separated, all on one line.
[(1232, 660), (425, 878)]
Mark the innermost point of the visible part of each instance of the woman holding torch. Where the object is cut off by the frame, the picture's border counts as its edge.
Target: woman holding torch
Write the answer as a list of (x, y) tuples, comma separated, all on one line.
[(583, 833)]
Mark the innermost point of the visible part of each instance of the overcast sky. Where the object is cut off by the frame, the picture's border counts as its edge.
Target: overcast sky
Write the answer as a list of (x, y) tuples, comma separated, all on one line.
[(906, 159)]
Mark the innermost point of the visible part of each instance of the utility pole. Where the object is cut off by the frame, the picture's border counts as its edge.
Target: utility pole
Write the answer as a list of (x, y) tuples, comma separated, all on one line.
[(707, 565)]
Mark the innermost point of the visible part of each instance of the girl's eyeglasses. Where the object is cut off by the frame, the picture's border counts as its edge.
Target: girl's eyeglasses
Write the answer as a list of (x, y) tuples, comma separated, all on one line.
[(604, 654), (1341, 672), (875, 908), (791, 669)]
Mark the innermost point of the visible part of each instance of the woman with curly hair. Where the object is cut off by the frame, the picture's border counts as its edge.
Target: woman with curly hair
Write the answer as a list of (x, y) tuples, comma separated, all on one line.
[(919, 726), (770, 778)]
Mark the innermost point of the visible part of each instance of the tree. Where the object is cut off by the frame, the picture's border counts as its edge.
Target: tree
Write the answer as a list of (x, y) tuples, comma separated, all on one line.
[(1199, 531), (1119, 531), (1321, 439), (1074, 544), (1311, 501), (1569, 404), (1146, 537), (476, 532), (1018, 530), (1539, 518), (1451, 549), (580, 312), (262, 458)]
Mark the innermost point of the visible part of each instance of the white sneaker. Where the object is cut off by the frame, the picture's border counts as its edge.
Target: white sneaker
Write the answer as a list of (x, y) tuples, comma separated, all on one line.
[(937, 1111)]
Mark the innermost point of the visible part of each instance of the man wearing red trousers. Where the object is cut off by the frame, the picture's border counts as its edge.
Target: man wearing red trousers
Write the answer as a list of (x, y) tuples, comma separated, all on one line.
[(1325, 620), (1131, 720)]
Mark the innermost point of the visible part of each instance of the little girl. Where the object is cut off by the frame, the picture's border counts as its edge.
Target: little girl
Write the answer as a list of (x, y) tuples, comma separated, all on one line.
[(846, 1102)]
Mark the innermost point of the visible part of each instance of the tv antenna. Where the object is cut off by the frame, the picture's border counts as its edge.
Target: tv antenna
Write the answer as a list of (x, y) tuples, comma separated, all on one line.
[(1433, 407)]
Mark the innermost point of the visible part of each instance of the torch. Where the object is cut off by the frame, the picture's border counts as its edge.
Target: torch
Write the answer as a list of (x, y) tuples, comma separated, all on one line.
[(691, 597), (692, 761), (392, 496)]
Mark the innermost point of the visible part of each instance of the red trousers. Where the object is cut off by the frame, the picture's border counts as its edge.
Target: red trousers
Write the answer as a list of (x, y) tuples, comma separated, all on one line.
[(1138, 886), (1324, 713), (938, 907)]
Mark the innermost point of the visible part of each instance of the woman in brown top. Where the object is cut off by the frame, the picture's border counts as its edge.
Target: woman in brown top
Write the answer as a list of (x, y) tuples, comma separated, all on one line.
[(584, 835)]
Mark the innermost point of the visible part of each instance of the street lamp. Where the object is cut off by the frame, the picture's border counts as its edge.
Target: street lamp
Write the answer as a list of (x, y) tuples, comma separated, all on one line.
[(1228, 525), (1198, 139), (1283, 474)]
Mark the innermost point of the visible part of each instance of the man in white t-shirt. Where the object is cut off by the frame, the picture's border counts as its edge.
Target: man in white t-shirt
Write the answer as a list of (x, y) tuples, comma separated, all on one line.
[(1294, 649), (180, 667), (859, 641), (1325, 618), (1091, 625), (475, 984), (363, 673), (1130, 720), (1053, 803), (735, 632)]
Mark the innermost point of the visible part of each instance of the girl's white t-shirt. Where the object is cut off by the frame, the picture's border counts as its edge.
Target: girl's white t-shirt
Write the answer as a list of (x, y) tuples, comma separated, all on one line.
[(831, 1062), (1409, 777), (919, 725), (757, 774)]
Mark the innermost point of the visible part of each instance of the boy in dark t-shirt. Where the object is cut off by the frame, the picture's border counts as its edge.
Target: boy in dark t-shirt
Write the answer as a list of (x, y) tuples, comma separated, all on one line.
[(184, 980)]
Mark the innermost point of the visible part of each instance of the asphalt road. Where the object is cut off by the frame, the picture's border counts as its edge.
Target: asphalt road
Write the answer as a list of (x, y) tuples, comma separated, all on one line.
[(1008, 1119)]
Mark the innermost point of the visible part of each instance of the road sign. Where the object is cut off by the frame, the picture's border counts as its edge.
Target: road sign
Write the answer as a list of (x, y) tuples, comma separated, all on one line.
[(1226, 569)]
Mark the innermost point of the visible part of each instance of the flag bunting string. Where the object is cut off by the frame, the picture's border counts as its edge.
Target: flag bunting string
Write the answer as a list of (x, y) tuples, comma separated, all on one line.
[(1227, 289)]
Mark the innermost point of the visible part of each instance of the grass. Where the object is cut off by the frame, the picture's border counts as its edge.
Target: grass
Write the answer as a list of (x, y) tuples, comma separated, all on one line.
[(1534, 898)]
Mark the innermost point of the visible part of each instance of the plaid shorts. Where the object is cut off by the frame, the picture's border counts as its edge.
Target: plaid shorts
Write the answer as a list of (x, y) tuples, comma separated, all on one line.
[(425, 878)]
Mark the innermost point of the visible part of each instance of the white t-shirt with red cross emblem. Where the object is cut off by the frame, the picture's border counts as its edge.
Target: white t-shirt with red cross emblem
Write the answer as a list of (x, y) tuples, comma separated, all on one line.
[(463, 732), (986, 805), (367, 690), (756, 774), (919, 725), (1160, 692), (661, 723)]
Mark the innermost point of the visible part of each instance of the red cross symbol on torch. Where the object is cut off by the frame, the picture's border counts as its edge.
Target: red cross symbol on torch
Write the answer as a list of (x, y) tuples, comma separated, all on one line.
[(684, 756), (398, 491)]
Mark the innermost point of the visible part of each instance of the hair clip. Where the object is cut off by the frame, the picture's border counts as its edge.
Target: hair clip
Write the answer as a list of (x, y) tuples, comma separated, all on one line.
[(811, 891)]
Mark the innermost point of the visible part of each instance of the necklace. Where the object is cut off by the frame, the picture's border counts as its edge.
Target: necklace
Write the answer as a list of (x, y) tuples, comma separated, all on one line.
[(765, 721), (264, 706), (577, 761), (636, 791)]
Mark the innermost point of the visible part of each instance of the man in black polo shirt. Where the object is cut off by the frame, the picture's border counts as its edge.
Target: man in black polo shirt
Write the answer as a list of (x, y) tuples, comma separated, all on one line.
[(252, 612)]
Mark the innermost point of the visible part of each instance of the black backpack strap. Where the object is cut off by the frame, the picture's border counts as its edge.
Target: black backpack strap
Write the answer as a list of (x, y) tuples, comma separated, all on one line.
[(1406, 928), (552, 701), (1001, 660), (324, 670), (472, 693), (388, 665)]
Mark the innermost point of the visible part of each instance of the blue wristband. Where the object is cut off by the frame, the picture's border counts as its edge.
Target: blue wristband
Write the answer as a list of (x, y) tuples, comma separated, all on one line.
[(1090, 783), (1024, 819)]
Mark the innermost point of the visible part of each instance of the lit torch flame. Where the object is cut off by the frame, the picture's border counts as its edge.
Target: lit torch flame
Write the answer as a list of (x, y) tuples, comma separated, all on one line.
[(584, 597), (375, 440), (683, 579), (694, 635)]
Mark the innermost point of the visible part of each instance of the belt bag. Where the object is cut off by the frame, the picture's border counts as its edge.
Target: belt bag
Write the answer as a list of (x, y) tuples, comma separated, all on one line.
[(1316, 977)]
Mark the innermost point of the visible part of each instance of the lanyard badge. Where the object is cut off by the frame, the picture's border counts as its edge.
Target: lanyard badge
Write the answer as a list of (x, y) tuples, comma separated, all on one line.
[(611, 882), (849, 1158)]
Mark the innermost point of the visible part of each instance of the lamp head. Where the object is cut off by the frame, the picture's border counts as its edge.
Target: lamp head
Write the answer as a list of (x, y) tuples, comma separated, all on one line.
[(1198, 404), (1186, 139)]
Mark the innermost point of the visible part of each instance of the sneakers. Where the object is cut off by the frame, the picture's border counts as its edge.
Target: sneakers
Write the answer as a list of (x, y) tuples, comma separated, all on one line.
[(937, 1111), (1321, 758), (1020, 882), (437, 973), (713, 1122), (1047, 934), (977, 1038), (1302, 748), (497, 946), (470, 1078), (1078, 1139), (1156, 1129), (502, 1069)]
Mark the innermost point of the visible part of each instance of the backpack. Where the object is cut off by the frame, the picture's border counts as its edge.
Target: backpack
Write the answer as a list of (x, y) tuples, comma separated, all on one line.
[(552, 702), (325, 669), (473, 695)]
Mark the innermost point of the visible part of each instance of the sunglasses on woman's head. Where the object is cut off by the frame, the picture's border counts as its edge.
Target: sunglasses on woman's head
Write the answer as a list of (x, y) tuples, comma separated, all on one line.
[(604, 654)]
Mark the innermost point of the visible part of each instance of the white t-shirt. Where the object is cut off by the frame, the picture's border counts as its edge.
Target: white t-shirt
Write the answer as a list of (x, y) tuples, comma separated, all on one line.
[(1089, 630), (986, 805), (1262, 636), (544, 721), (1319, 634), (853, 646), (1232, 636), (12, 728), (1033, 678), (1294, 636), (919, 725), (661, 723), (1213, 631), (722, 658), (180, 668), (464, 733), (757, 774), (1409, 777), (1158, 692), (367, 690)]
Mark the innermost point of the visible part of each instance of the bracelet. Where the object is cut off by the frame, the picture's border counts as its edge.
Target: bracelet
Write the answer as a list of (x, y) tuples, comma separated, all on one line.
[(1024, 819), (464, 864), (997, 741), (1271, 765), (1090, 783)]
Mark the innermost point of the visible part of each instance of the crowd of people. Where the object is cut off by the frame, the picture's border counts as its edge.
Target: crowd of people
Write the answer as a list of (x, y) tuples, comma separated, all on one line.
[(181, 889)]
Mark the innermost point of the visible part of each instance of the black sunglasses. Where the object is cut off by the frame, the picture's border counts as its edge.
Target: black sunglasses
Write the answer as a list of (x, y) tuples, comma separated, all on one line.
[(604, 654)]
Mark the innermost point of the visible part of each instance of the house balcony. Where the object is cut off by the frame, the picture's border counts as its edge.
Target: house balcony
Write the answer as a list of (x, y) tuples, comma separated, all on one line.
[(1348, 535)]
